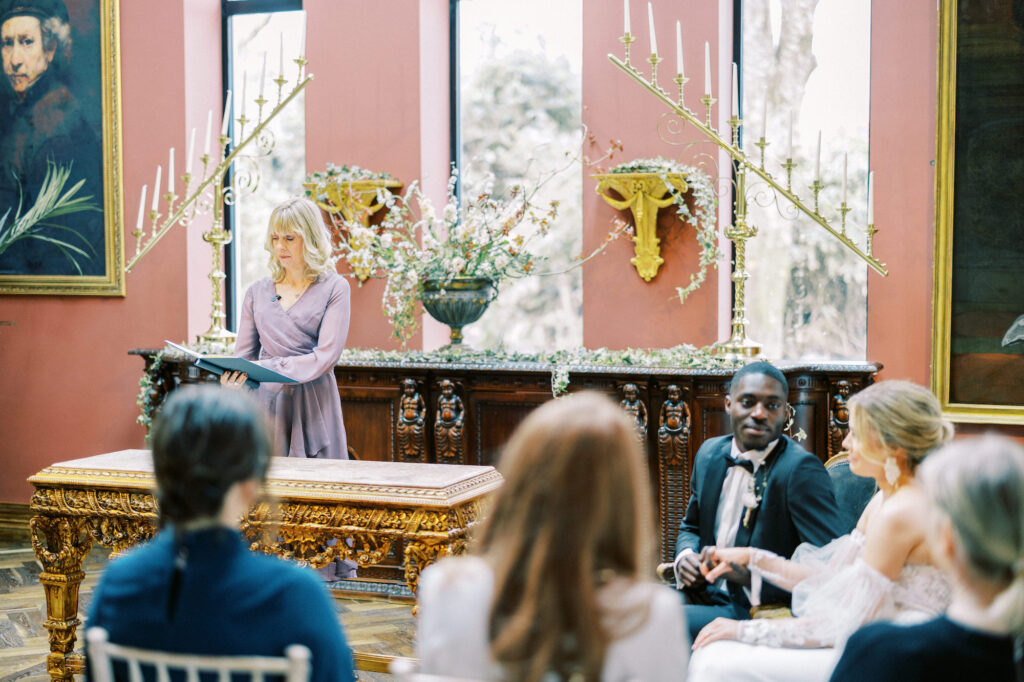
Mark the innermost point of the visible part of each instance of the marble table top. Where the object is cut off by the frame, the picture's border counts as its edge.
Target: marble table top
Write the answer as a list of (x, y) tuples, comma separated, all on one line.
[(392, 483)]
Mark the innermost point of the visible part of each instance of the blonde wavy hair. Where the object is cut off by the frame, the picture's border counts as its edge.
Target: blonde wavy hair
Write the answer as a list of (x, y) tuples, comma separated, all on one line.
[(300, 216), (978, 484), (574, 513), (901, 414)]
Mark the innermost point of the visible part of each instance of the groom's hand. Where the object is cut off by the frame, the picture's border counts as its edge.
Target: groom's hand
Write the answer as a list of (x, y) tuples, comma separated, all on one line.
[(688, 569)]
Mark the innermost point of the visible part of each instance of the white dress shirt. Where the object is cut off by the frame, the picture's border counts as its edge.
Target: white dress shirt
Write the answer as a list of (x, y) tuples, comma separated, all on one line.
[(730, 502)]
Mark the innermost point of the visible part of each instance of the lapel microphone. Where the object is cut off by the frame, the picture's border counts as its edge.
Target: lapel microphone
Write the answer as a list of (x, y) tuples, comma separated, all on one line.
[(276, 298)]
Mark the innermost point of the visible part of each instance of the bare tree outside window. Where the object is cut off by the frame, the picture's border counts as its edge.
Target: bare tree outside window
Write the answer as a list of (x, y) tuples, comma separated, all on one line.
[(282, 172), (807, 295), (521, 117)]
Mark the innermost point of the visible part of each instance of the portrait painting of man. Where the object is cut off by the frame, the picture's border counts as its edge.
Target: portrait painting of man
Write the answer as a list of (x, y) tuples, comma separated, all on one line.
[(55, 223)]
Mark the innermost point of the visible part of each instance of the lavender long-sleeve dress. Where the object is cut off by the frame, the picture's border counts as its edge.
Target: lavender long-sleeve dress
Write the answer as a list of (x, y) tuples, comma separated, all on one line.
[(303, 342)]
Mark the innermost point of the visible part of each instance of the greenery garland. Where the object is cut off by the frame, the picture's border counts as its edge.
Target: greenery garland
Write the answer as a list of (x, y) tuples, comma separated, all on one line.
[(703, 218), (143, 400), (684, 356)]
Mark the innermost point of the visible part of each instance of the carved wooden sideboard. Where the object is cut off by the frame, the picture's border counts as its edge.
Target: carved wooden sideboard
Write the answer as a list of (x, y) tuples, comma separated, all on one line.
[(464, 413)]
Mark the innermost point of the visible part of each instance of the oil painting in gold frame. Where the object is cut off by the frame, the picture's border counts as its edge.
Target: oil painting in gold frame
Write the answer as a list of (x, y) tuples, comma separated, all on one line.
[(70, 108), (978, 330)]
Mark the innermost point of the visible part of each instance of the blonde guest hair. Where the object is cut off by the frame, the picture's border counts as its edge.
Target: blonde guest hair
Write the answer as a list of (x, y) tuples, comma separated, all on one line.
[(978, 483), (901, 414), (574, 513), (301, 216)]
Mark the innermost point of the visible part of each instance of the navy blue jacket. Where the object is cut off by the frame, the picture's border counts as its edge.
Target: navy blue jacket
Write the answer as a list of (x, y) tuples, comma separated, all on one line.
[(229, 601), (798, 505)]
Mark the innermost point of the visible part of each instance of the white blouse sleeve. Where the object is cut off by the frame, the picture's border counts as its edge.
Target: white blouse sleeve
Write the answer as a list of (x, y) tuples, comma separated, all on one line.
[(829, 606)]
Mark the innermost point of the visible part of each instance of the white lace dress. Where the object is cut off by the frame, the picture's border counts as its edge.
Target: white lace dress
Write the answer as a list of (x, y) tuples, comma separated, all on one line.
[(841, 594)]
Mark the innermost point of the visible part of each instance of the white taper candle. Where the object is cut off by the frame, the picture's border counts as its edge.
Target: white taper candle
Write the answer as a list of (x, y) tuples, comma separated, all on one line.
[(209, 124), (707, 69), (789, 152), (735, 92), (846, 159), (650, 26), (142, 208), (170, 172), (191, 152), (871, 198), (156, 188), (280, 63), (679, 48), (625, 16), (263, 73), (764, 114), (245, 77), (227, 115), (817, 160)]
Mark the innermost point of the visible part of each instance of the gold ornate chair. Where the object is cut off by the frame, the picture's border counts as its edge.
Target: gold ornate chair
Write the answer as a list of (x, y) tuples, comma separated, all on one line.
[(294, 665)]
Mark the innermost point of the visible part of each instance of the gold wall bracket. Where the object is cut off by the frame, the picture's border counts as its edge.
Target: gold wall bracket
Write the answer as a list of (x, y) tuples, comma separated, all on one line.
[(643, 194)]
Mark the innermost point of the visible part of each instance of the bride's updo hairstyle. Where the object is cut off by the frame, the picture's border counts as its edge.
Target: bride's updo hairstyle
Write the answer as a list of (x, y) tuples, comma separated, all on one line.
[(206, 439), (978, 484), (573, 514), (901, 414)]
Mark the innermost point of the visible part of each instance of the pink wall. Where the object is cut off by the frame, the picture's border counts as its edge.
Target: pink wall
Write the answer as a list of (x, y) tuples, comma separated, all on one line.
[(904, 57), (379, 101), (619, 308)]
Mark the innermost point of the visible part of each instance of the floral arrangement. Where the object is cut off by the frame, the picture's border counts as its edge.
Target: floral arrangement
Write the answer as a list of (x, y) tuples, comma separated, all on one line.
[(703, 217), (486, 237)]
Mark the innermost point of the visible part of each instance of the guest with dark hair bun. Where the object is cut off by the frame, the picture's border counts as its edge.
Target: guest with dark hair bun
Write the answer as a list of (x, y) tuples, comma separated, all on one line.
[(196, 588)]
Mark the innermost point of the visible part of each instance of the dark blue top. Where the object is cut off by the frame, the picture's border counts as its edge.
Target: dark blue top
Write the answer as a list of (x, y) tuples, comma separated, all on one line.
[(933, 651), (229, 601)]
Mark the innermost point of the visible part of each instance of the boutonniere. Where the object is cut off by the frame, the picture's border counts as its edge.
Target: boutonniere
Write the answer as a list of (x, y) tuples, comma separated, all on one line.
[(751, 500)]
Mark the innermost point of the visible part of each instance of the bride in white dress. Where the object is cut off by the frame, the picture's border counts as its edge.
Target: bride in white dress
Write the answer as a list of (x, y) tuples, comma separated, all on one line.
[(883, 570)]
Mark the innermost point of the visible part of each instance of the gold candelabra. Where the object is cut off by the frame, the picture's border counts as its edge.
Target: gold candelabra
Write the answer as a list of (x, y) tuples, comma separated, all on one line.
[(739, 346), (211, 193)]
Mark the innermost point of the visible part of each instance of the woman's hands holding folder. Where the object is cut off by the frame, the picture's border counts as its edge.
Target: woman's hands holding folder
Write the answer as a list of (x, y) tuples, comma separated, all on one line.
[(233, 379)]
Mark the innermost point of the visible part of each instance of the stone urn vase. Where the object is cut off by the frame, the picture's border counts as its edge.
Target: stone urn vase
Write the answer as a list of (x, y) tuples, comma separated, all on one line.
[(458, 302)]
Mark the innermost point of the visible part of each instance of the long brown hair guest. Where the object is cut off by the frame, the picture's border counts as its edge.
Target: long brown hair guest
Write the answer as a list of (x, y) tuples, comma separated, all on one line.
[(560, 578)]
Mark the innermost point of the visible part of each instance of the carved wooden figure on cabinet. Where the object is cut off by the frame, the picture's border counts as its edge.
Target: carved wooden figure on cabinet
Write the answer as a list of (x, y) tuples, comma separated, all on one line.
[(448, 425), (636, 410), (839, 420), (409, 429)]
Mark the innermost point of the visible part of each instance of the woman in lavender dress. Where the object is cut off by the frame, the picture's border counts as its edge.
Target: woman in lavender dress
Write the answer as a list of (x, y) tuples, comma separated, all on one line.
[(295, 322)]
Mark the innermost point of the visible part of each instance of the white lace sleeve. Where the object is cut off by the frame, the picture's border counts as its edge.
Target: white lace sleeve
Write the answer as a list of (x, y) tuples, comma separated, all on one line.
[(829, 607), (807, 561)]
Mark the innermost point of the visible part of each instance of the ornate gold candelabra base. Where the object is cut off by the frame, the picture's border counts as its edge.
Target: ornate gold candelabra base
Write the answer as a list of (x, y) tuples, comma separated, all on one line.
[(643, 194), (217, 339)]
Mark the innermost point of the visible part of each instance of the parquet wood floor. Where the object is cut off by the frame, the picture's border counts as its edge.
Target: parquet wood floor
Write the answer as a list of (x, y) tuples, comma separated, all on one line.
[(376, 627)]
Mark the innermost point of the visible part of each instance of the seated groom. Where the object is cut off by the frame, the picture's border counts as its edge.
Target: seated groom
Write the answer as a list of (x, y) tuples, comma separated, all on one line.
[(755, 488)]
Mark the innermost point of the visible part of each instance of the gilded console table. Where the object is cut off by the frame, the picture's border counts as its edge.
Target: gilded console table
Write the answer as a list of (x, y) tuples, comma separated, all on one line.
[(108, 499)]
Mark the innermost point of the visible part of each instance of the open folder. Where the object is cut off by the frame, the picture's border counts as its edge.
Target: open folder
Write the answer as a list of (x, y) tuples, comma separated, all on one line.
[(218, 364)]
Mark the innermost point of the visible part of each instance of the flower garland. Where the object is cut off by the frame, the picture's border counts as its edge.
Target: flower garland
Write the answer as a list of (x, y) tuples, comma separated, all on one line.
[(703, 218), (335, 173)]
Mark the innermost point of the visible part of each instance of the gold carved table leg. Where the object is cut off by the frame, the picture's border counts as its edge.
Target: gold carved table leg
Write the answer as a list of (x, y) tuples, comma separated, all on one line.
[(60, 544)]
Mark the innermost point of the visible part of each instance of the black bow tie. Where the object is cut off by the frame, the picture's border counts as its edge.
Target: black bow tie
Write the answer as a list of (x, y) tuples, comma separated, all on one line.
[(745, 463)]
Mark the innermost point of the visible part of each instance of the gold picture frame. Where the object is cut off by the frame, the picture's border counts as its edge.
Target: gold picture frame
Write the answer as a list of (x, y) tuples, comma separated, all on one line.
[(95, 41), (978, 377)]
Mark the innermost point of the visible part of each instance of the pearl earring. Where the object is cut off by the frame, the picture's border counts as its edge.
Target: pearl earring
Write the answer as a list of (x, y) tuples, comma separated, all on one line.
[(892, 471)]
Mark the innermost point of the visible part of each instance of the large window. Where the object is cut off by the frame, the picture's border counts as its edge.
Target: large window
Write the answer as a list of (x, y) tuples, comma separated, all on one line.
[(807, 295), (520, 116), (255, 37)]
